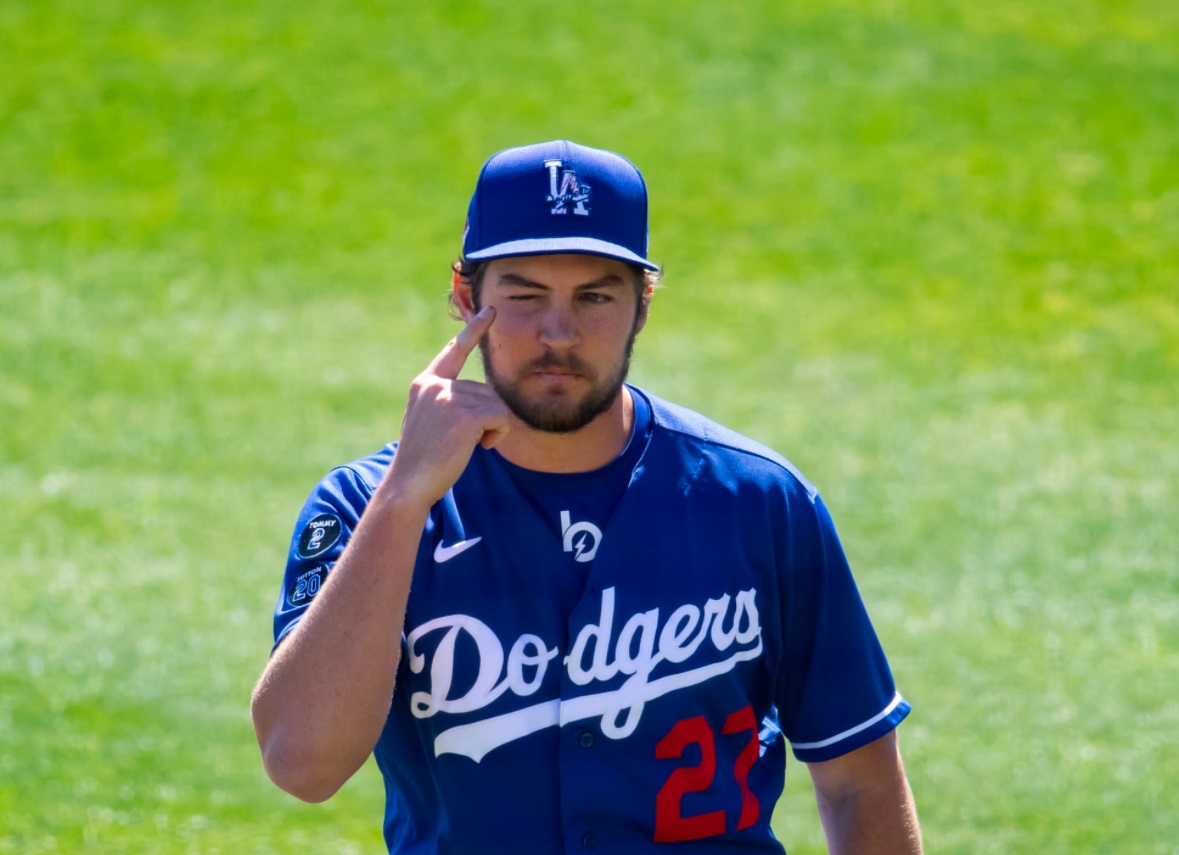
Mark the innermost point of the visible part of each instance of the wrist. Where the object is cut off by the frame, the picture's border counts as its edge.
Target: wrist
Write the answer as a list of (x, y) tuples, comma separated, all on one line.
[(392, 497)]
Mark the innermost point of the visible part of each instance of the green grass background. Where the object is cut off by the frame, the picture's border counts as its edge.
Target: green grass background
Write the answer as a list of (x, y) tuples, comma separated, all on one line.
[(928, 250)]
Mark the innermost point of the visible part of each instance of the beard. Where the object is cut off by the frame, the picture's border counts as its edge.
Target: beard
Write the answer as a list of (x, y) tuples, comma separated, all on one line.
[(553, 414)]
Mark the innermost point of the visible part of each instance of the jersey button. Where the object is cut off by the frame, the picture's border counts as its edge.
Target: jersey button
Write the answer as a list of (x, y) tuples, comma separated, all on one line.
[(588, 840), (587, 739)]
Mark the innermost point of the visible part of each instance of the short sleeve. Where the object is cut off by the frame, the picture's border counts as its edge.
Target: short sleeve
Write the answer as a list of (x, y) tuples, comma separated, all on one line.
[(322, 530), (836, 691)]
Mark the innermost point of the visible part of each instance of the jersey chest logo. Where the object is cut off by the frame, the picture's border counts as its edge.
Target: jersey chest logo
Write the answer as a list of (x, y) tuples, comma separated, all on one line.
[(655, 651), (582, 539)]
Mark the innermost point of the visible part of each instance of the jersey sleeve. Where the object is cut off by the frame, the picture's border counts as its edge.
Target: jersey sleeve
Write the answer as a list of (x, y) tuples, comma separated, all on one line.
[(836, 692), (322, 530)]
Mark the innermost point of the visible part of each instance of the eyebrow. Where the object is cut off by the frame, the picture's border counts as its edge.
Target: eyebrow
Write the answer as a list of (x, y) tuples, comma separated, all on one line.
[(610, 280)]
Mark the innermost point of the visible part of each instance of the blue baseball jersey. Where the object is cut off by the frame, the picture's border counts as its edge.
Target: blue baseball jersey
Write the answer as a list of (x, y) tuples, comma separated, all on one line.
[(615, 659)]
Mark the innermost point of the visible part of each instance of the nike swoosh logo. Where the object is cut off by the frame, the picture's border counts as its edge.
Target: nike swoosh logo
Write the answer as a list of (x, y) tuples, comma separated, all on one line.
[(442, 554)]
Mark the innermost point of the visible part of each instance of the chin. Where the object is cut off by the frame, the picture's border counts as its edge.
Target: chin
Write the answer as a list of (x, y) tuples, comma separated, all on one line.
[(558, 413)]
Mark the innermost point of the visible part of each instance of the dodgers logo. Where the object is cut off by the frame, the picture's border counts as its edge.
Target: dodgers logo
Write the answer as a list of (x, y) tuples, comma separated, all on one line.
[(569, 191), (656, 652), (582, 539)]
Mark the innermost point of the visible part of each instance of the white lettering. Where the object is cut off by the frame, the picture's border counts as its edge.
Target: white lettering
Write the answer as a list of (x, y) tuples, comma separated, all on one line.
[(718, 609), (491, 658), (642, 625), (552, 166), (747, 608), (599, 634), (678, 627), (520, 658), (639, 649)]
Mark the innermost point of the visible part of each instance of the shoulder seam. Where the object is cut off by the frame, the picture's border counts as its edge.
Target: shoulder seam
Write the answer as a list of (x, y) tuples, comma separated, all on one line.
[(354, 468), (720, 443), (760, 451)]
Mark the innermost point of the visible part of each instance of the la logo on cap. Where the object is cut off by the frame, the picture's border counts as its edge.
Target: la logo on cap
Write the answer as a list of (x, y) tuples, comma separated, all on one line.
[(571, 191)]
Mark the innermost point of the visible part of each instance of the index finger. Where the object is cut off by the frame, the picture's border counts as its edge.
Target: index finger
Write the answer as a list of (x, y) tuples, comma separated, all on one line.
[(450, 361)]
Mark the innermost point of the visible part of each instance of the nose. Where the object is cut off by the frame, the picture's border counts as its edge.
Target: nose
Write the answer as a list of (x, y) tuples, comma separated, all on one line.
[(558, 328)]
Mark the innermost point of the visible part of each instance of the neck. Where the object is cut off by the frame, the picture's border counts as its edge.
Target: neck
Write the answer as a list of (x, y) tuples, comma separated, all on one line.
[(592, 447)]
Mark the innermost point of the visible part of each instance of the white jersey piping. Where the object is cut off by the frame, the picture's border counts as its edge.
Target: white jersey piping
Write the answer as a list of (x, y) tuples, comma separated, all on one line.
[(807, 746)]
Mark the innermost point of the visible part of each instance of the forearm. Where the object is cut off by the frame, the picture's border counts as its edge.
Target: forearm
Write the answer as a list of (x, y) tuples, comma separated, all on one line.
[(873, 822), (324, 696), (865, 802)]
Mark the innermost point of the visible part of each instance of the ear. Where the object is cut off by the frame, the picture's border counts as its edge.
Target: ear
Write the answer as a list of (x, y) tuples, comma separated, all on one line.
[(644, 308), (460, 293)]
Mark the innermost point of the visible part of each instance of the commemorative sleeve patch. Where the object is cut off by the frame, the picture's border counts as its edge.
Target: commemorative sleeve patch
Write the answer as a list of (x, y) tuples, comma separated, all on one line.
[(319, 535), (302, 589)]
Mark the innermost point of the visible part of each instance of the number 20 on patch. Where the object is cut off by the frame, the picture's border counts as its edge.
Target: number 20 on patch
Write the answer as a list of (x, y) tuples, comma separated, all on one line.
[(671, 826)]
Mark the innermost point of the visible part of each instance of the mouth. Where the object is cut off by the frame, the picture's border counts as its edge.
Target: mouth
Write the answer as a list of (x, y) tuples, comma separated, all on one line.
[(546, 368), (555, 374)]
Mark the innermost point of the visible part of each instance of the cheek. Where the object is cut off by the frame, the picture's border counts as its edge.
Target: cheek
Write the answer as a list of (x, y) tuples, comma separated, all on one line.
[(502, 343), (508, 330), (609, 333)]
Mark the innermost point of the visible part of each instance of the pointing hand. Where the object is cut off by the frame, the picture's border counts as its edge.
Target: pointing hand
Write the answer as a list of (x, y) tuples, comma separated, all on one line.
[(445, 419)]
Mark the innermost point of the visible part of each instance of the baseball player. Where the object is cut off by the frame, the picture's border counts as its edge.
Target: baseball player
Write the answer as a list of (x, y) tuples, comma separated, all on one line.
[(562, 613)]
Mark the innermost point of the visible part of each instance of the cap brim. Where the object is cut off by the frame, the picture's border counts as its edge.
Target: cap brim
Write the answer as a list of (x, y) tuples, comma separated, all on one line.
[(554, 246)]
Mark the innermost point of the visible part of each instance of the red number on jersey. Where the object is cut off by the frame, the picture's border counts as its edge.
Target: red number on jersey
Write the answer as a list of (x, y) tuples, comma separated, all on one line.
[(671, 825), (739, 722)]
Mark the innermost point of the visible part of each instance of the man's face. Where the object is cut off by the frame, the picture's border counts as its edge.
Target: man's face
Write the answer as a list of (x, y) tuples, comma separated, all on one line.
[(560, 347)]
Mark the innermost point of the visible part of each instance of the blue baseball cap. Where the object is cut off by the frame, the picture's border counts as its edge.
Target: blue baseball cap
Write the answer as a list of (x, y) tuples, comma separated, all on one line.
[(558, 197)]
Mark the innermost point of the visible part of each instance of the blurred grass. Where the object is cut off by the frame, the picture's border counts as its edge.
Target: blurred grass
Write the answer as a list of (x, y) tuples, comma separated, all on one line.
[(930, 251)]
